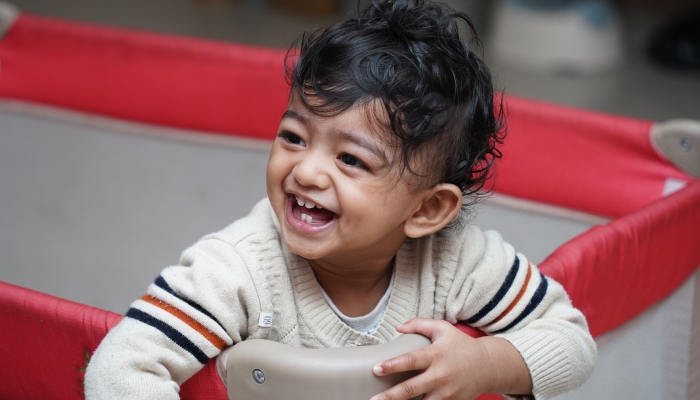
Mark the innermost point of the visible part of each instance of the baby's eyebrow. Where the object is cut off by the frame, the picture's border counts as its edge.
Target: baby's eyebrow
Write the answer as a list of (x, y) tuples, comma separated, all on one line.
[(295, 115), (360, 141)]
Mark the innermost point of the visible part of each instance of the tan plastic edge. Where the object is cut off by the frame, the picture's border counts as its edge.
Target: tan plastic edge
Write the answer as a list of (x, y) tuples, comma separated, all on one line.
[(679, 141), (8, 15), (293, 373)]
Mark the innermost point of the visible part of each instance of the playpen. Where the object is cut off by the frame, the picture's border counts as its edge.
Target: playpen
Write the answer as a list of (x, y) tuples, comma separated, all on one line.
[(119, 148)]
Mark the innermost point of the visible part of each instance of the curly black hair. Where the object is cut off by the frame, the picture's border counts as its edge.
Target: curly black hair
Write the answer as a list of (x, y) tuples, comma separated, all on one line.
[(437, 94)]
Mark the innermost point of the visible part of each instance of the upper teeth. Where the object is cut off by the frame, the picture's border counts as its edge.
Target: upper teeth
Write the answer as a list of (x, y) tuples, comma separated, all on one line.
[(306, 203)]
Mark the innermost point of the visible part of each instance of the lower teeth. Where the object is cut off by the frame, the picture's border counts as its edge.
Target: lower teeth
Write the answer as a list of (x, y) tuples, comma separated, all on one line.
[(306, 218)]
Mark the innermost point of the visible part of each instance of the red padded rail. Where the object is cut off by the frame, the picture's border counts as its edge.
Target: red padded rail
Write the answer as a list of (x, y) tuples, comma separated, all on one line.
[(587, 161), (45, 342), (144, 77), (615, 271)]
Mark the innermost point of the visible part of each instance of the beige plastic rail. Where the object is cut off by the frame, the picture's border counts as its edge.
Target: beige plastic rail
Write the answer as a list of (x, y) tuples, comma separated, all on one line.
[(8, 15), (266, 370), (679, 141)]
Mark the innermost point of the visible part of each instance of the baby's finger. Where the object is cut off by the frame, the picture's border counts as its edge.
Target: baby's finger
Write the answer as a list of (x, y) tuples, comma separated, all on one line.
[(405, 390), (430, 328), (413, 361)]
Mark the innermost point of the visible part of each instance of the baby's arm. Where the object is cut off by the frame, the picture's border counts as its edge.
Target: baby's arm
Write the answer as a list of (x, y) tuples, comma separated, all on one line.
[(540, 344), (189, 314)]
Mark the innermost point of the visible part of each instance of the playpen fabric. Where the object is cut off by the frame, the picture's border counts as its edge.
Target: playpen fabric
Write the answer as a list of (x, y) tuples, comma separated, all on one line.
[(580, 160), (606, 164)]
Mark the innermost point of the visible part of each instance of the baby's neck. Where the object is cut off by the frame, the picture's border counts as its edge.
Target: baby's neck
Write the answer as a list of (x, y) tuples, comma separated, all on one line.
[(356, 293)]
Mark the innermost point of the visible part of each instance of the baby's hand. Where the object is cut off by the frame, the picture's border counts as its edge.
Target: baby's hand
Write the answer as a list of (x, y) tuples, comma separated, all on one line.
[(455, 365)]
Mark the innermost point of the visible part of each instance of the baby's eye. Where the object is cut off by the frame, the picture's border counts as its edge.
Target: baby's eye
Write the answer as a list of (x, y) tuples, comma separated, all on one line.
[(352, 161), (292, 138)]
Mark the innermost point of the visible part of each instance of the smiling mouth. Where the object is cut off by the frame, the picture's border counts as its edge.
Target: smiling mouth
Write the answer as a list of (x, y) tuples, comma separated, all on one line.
[(309, 213)]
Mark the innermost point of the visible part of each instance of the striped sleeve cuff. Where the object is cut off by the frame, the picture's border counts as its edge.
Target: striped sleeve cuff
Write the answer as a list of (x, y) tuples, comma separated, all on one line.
[(181, 320), (521, 292)]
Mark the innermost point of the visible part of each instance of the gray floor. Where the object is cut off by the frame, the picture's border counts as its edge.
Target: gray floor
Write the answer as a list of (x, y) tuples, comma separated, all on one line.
[(637, 89)]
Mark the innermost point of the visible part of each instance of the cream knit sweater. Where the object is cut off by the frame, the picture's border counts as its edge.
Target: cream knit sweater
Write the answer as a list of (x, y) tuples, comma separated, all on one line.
[(242, 282)]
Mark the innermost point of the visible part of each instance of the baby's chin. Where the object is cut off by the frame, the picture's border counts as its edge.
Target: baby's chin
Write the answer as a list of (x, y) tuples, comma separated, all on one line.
[(308, 254), (303, 248)]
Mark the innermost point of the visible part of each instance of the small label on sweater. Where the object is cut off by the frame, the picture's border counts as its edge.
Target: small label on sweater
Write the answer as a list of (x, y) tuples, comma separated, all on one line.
[(265, 319)]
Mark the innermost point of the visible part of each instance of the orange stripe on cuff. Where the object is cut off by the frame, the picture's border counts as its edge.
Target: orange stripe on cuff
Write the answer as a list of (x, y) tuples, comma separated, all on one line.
[(517, 298), (201, 329)]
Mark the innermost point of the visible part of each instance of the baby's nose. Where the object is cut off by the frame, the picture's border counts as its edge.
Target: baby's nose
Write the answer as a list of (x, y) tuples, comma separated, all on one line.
[(312, 171)]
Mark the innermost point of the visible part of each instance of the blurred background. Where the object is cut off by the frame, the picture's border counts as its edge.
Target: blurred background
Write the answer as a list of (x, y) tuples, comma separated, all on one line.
[(618, 75), (111, 210)]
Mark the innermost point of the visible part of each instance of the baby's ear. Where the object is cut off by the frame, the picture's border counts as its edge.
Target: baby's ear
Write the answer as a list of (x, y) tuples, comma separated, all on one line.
[(440, 205)]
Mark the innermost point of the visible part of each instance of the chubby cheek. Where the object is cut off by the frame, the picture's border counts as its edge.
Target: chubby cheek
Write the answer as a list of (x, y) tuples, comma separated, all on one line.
[(270, 181), (275, 169), (363, 208), (274, 177)]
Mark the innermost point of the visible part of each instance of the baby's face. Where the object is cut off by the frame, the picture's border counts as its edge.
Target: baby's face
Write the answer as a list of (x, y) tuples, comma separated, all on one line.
[(332, 187)]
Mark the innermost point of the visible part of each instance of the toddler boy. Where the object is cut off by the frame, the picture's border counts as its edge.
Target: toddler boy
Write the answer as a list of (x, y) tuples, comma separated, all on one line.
[(391, 127)]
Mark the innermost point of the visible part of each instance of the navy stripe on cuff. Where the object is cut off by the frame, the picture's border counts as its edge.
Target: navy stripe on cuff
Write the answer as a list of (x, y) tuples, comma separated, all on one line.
[(161, 283), (510, 278), (534, 302), (170, 332)]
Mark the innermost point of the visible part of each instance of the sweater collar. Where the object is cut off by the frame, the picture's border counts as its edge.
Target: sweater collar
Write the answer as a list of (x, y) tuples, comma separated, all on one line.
[(325, 325)]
